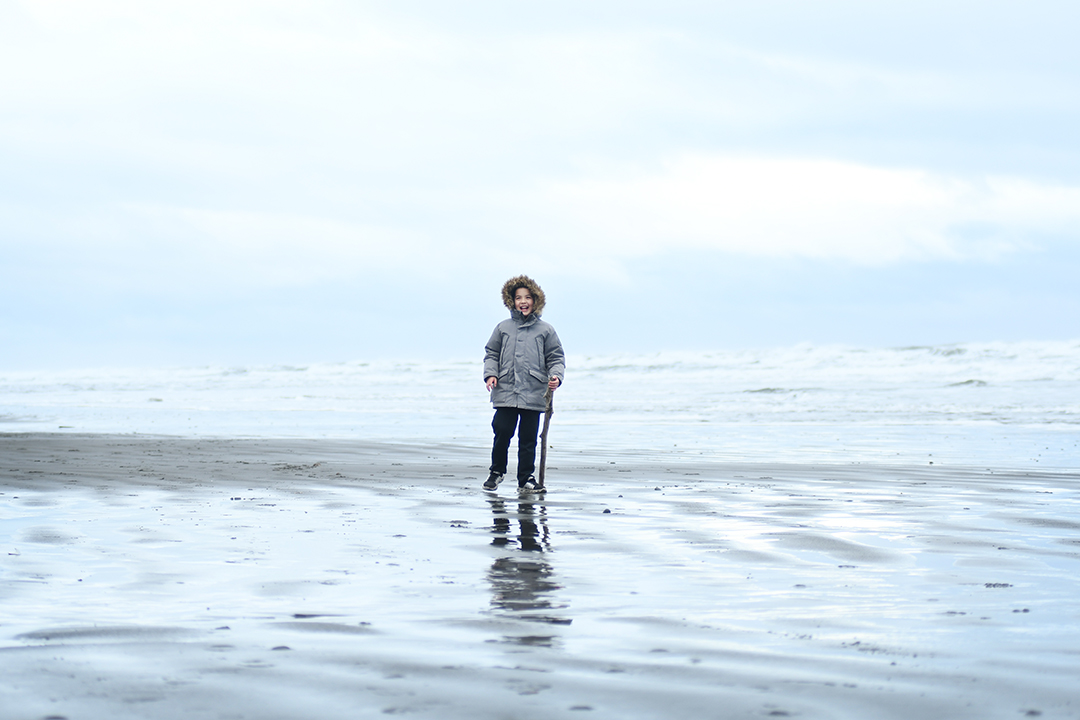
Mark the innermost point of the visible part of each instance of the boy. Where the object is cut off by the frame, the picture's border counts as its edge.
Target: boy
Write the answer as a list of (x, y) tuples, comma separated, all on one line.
[(522, 361)]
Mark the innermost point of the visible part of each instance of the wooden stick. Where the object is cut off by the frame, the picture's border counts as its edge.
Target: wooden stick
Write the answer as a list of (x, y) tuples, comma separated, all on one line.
[(543, 435)]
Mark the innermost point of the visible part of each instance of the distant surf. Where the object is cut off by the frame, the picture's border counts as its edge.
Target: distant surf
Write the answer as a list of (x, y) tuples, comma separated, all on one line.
[(1012, 404)]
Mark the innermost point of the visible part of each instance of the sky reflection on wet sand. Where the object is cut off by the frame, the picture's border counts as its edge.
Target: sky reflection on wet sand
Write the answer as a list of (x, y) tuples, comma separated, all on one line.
[(205, 578)]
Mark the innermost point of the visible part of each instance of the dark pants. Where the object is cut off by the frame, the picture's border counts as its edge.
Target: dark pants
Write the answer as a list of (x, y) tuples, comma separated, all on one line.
[(527, 423)]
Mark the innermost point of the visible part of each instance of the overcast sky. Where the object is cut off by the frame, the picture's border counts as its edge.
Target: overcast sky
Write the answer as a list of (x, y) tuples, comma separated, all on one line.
[(258, 182)]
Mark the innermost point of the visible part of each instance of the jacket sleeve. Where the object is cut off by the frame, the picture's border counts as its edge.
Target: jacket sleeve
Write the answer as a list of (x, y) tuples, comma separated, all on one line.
[(554, 357), (492, 353)]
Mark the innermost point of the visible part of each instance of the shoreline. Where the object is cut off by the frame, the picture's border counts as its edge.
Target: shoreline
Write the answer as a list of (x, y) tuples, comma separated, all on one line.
[(573, 455), (219, 578)]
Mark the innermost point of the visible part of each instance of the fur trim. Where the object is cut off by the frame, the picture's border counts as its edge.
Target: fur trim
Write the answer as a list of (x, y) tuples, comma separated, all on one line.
[(523, 281)]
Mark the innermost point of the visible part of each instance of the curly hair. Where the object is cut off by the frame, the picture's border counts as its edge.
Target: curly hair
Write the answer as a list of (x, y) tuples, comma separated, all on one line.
[(523, 281)]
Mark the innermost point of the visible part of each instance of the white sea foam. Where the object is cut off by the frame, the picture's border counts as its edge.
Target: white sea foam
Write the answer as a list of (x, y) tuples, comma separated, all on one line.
[(1014, 404)]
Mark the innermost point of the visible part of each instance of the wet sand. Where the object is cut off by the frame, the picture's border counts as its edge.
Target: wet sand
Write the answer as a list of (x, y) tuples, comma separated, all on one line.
[(192, 578)]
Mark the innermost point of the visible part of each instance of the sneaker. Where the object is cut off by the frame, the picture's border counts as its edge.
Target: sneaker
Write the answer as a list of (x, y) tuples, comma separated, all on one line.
[(531, 485), (493, 480)]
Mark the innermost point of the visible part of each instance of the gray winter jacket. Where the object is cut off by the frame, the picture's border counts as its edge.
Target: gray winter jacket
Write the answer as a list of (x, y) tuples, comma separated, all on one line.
[(523, 354)]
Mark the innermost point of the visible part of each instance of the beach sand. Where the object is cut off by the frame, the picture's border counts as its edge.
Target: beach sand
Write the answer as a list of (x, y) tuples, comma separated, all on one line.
[(223, 578)]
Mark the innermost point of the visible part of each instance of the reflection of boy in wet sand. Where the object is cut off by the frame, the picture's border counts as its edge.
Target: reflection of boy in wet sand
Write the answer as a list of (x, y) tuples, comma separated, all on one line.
[(523, 584), (523, 360)]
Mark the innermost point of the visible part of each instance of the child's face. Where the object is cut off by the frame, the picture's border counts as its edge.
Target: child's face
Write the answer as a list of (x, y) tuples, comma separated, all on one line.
[(523, 301)]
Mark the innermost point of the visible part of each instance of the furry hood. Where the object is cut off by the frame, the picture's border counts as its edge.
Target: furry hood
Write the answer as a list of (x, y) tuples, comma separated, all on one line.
[(529, 284)]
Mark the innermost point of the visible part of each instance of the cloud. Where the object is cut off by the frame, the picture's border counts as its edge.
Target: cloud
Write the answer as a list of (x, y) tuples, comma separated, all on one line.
[(796, 207), (599, 222), (191, 164)]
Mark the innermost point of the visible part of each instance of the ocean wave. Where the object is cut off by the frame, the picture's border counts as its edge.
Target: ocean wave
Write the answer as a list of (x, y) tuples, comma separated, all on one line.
[(793, 396)]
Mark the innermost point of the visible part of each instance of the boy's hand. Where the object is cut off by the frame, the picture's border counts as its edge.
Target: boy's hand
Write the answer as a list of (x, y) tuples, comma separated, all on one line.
[(553, 383), (492, 382)]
